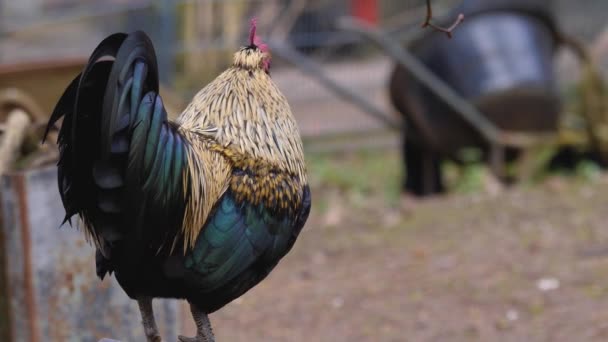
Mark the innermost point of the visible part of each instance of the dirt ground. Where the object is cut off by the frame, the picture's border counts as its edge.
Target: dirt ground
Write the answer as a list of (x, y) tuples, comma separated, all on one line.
[(525, 264)]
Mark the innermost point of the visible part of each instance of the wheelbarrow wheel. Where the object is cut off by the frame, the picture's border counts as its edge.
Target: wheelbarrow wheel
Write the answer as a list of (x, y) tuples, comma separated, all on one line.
[(423, 170)]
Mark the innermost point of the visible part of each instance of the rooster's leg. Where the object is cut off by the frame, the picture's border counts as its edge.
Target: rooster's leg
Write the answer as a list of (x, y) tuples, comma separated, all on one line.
[(204, 333), (147, 317)]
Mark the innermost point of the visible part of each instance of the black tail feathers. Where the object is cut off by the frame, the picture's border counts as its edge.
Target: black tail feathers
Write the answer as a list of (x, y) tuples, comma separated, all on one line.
[(121, 163), (94, 136)]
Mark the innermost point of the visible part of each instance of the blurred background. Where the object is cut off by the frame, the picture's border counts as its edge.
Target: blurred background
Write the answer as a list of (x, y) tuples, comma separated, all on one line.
[(459, 186)]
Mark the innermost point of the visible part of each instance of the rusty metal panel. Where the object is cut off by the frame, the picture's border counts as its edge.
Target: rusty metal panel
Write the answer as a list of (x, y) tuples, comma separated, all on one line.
[(54, 294)]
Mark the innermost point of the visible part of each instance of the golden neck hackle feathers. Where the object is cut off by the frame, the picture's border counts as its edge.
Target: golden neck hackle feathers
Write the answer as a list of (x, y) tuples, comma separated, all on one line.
[(240, 121), (243, 109)]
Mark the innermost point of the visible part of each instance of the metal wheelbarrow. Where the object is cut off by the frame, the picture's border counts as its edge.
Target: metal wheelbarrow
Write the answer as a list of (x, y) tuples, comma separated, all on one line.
[(491, 87)]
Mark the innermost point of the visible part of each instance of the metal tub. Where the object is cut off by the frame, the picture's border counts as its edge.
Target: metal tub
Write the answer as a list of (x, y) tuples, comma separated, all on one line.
[(52, 290)]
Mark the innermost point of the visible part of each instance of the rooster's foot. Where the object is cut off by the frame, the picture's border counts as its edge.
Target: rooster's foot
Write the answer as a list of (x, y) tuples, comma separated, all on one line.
[(204, 333), (147, 315), (191, 339), (154, 338)]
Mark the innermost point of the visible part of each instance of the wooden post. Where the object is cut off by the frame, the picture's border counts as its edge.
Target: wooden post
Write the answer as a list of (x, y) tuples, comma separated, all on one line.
[(167, 19), (232, 23), (203, 22)]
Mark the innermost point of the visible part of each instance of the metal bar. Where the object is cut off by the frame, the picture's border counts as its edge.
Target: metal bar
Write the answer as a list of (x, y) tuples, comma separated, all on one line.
[(313, 70), (358, 143), (6, 333), (520, 139), (30, 300), (419, 71)]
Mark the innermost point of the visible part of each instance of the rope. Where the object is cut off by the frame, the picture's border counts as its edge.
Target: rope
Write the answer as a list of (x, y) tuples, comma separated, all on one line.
[(13, 137)]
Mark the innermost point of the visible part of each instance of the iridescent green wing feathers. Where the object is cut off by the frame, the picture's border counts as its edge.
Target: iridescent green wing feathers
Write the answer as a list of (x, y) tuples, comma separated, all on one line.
[(240, 237)]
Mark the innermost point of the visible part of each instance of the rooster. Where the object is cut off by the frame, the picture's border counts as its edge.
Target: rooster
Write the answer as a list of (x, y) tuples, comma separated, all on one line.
[(202, 208)]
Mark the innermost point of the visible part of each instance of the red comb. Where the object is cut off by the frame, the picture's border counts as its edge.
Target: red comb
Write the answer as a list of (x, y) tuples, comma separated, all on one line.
[(254, 40), (252, 29)]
